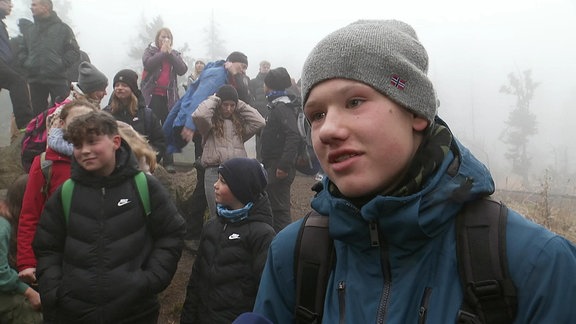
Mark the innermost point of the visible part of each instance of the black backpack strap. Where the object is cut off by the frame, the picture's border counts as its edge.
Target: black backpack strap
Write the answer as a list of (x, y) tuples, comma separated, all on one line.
[(489, 293), (46, 168), (314, 258)]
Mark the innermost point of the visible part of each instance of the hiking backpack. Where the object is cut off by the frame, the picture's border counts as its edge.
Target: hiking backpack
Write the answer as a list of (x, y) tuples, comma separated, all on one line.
[(46, 168), (306, 160), (489, 293), (141, 187), (35, 136)]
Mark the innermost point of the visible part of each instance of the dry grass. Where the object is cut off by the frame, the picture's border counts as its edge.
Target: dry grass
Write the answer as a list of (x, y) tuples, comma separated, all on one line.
[(554, 212)]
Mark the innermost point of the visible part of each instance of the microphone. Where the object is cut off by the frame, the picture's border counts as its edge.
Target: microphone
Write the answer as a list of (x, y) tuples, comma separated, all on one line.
[(251, 318)]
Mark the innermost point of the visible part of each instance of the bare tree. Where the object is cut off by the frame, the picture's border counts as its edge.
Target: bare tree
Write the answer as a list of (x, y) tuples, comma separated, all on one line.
[(521, 122)]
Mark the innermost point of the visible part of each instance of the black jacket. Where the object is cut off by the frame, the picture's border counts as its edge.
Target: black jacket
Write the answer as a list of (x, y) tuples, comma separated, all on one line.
[(257, 91), (226, 274), (280, 137), (109, 261), (49, 50), (145, 123)]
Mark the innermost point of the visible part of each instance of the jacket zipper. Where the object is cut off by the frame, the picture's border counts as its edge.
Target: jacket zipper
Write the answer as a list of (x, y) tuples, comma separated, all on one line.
[(423, 310), (376, 240), (100, 270), (342, 301)]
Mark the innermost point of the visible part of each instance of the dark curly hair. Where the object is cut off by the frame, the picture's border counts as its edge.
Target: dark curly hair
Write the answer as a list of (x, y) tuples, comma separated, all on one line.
[(89, 125)]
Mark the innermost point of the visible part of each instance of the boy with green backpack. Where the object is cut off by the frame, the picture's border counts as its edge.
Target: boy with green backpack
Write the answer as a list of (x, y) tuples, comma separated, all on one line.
[(106, 255)]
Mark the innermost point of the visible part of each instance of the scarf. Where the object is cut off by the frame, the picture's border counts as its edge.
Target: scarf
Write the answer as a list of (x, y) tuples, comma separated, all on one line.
[(275, 94), (235, 215)]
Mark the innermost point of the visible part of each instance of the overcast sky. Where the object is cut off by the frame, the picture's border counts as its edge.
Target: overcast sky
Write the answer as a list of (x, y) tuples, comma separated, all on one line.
[(472, 46)]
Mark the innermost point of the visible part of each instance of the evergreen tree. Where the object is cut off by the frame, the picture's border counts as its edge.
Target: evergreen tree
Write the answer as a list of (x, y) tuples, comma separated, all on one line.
[(521, 122), (145, 37), (216, 48)]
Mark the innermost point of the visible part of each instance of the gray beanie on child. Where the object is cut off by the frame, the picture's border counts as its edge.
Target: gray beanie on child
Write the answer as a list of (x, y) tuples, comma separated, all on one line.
[(90, 79), (384, 54)]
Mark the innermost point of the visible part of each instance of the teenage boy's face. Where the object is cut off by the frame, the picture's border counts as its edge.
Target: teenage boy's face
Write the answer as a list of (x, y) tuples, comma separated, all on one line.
[(363, 140), (224, 195), (97, 154)]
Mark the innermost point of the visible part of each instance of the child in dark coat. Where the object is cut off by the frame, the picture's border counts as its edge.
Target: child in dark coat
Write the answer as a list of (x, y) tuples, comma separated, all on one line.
[(233, 246)]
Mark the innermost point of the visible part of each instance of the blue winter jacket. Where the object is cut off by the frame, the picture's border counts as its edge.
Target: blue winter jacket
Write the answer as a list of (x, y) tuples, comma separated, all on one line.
[(213, 77), (412, 276)]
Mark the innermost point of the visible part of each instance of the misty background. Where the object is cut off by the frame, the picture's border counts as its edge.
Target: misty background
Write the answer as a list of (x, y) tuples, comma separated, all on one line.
[(473, 48)]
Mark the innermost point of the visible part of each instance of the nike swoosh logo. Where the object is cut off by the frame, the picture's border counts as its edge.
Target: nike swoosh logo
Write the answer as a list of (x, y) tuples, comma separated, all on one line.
[(123, 202), (234, 236)]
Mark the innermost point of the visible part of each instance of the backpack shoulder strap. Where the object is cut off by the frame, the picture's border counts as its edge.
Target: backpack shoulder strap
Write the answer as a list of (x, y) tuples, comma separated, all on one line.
[(489, 293), (314, 258), (46, 168), (142, 186), (66, 195)]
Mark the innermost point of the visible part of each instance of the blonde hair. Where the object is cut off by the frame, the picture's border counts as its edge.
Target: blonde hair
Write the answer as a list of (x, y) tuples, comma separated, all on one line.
[(139, 144), (116, 105), (64, 110)]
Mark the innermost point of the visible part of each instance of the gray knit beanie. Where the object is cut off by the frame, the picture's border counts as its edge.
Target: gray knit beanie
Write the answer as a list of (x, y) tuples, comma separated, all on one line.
[(90, 79), (384, 54)]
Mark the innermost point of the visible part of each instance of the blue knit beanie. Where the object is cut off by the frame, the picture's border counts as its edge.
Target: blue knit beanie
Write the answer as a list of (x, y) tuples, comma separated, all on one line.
[(245, 177)]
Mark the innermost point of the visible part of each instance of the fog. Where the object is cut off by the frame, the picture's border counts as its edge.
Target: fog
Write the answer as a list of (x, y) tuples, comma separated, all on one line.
[(472, 46)]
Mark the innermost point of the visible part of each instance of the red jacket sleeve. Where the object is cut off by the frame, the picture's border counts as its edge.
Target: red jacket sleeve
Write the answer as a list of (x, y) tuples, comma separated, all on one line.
[(32, 205)]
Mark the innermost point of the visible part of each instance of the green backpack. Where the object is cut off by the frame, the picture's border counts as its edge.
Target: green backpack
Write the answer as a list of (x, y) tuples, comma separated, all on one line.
[(141, 186)]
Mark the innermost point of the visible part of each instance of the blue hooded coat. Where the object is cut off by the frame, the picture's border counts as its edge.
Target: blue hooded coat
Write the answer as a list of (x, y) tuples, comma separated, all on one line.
[(412, 276), (213, 77)]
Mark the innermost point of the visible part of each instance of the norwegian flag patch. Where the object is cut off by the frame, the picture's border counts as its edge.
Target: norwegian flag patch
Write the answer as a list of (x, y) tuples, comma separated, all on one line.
[(397, 82)]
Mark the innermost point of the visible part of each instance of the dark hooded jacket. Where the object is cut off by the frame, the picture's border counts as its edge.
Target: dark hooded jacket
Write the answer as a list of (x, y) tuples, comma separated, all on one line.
[(257, 91), (396, 259), (108, 261), (227, 270), (280, 137), (49, 50), (145, 123)]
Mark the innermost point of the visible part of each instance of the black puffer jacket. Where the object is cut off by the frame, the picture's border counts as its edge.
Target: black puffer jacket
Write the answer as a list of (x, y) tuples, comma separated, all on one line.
[(145, 123), (227, 270), (49, 50), (280, 136), (109, 261), (257, 91)]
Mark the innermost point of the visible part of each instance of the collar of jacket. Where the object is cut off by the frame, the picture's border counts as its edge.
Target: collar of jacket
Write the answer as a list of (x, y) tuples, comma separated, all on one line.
[(412, 220)]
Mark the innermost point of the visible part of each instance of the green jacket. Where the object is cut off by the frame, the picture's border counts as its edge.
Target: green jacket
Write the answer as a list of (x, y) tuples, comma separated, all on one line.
[(9, 282)]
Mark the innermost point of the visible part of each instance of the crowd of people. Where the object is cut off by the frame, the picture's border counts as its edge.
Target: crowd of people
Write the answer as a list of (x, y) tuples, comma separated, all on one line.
[(89, 235), (101, 149)]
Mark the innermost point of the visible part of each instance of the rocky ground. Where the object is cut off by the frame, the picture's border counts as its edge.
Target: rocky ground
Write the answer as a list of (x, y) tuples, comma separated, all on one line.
[(173, 297)]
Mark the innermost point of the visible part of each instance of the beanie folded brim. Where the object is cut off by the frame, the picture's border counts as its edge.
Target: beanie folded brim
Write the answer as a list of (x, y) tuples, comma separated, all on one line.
[(384, 54)]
